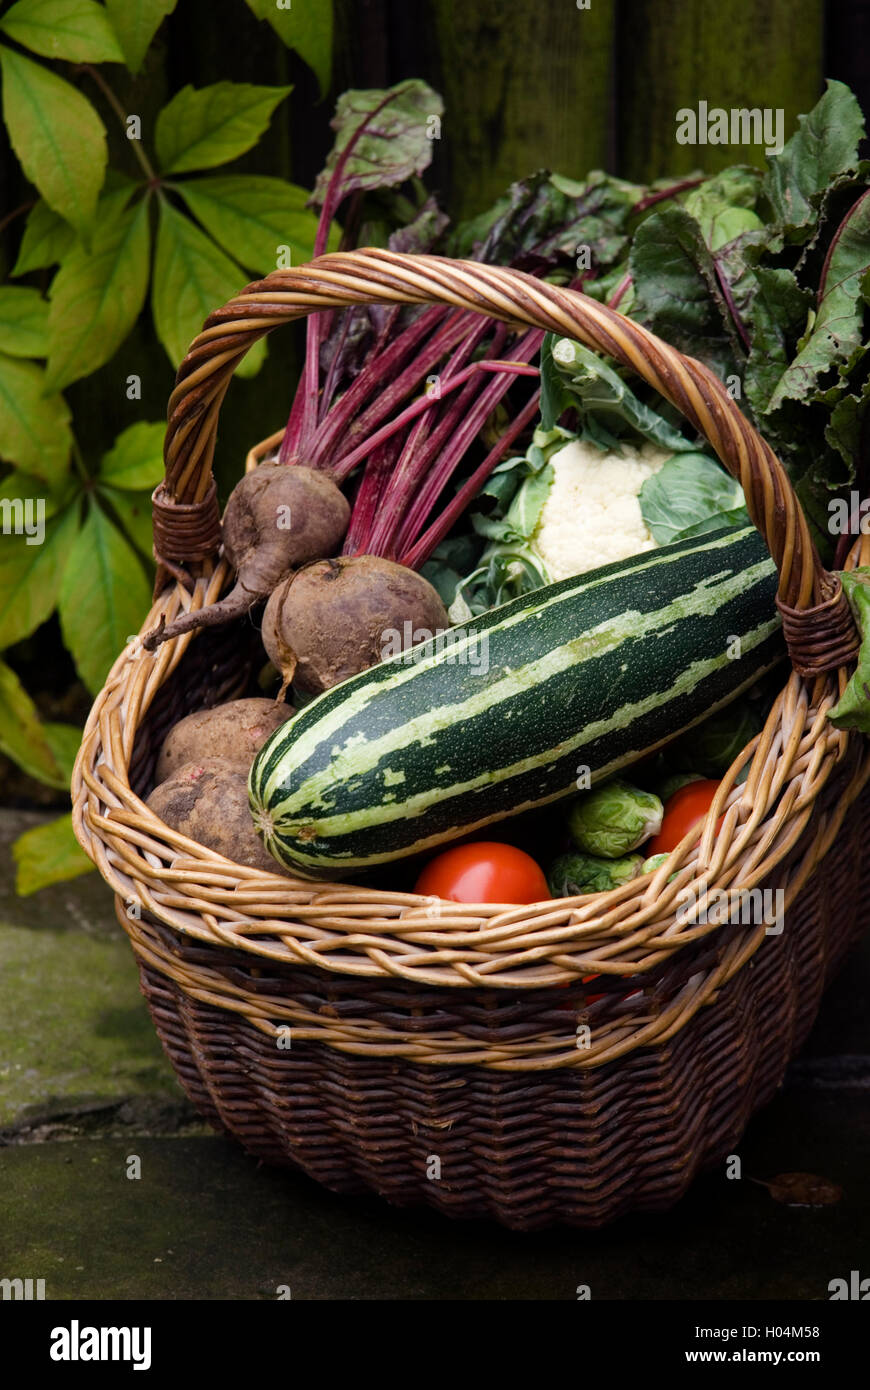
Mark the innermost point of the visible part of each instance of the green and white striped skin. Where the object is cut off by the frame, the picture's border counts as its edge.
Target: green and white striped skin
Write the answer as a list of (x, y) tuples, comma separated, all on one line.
[(595, 671)]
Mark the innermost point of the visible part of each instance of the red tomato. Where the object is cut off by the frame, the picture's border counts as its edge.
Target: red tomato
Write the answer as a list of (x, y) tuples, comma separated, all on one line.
[(484, 872), (683, 810)]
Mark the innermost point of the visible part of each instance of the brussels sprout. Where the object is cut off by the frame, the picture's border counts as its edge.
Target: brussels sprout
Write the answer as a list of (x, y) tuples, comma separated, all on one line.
[(654, 862), (710, 748), (614, 819), (573, 874)]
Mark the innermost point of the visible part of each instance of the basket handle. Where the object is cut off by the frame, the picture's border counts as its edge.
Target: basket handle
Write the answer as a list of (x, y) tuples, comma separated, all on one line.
[(817, 621)]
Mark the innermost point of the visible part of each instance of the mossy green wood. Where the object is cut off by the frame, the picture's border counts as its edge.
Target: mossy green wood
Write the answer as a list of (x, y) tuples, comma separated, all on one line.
[(524, 85), (742, 54)]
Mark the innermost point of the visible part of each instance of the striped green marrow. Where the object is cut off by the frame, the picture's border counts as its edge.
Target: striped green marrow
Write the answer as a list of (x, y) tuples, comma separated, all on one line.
[(595, 671)]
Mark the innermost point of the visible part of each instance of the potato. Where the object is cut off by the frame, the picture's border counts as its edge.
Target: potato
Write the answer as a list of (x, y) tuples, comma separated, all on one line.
[(232, 732), (208, 802)]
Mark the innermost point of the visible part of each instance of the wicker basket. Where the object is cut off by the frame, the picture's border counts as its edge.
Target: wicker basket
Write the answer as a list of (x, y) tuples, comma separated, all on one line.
[(434, 1052)]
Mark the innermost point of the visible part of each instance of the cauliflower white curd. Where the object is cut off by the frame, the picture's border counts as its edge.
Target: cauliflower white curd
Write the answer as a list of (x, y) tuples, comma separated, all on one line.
[(591, 515)]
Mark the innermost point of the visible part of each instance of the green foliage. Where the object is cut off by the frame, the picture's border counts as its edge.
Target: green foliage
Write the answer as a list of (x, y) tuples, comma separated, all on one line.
[(199, 129), (77, 531), (79, 30), (135, 23), (48, 854), (307, 28), (57, 135), (825, 142)]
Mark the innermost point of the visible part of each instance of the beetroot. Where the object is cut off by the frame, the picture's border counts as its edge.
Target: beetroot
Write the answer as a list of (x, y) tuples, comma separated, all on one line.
[(277, 518), (337, 617)]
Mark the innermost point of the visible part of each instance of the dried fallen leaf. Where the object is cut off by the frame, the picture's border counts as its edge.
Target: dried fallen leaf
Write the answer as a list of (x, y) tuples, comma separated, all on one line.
[(803, 1190)]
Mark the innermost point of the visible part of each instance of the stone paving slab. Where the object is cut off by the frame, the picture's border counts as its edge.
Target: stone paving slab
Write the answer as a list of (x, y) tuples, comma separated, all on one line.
[(205, 1221)]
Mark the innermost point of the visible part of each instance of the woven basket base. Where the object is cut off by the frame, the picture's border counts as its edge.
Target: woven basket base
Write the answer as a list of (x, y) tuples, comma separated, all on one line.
[(530, 1149)]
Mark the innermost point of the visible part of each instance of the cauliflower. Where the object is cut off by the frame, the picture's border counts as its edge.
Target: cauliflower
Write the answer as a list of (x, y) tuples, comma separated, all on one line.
[(591, 515)]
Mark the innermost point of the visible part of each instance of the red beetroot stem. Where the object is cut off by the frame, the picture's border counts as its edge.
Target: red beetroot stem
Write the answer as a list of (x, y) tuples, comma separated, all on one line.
[(421, 406), (457, 372), (343, 422), (411, 470), (460, 441), (311, 373), (463, 350), (432, 537), (371, 488), (456, 325)]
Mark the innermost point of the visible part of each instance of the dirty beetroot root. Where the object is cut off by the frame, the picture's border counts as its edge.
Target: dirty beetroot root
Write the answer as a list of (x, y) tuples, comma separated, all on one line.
[(337, 617), (233, 732), (208, 802), (277, 518)]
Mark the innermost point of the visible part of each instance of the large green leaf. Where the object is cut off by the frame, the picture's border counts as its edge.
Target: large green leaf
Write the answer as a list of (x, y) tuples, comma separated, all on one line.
[(135, 460), (48, 854), (688, 495), (776, 317), (34, 428), (837, 331), (97, 296), (305, 27), (23, 321), (104, 597), (677, 293), (136, 22), (133, 511), (56, 134), (22, 736), (64, 740), (199, 129), (31, 576), (25, 486), (192, 276), (78, 30), (825, 143), (253, 217), (46, 240)]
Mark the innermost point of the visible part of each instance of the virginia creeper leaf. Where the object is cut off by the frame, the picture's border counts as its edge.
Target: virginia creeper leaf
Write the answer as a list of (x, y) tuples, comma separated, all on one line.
[(135, 460), (31, 575), (34, 428), (104, 597), (136, 22), (305, 27), (199, 129), (23, 321), (57, 136), (254, 217), (48, 854), (46, 239), (22, 736), (192, 276), (77, 30), (97, 295)]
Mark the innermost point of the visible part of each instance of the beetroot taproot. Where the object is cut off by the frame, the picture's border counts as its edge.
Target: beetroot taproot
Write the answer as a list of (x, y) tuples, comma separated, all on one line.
[(277, 518), (334, 618)]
